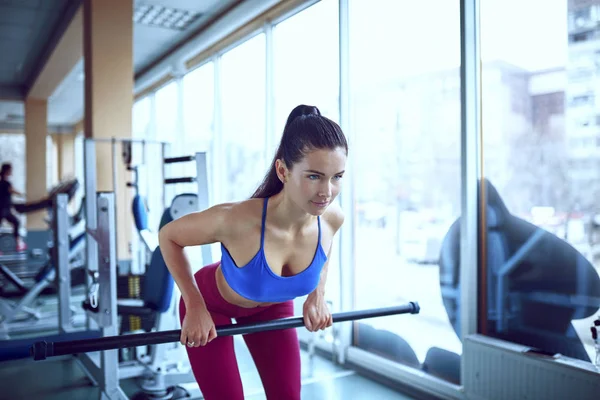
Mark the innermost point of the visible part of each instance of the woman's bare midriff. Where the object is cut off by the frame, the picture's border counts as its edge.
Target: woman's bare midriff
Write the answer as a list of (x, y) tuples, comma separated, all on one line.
[(232, 297)]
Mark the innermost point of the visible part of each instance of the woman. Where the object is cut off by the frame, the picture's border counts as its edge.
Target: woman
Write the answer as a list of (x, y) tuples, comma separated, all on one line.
[(6, 193), (275, 247)]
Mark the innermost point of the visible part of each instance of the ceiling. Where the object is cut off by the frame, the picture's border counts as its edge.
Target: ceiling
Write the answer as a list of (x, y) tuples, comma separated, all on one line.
[(30, 30)]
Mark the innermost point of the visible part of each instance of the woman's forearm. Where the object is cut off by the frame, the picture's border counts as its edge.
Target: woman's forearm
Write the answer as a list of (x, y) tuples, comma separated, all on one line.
[(320, 289)]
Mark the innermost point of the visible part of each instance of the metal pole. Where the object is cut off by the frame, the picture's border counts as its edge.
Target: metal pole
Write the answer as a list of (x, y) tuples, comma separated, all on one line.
[(41, 350), (61, 257), (89, 159), (470, 164), (107, 261), (115, 176), (164, 173), (470, 273), (203, 200), (347, 255)]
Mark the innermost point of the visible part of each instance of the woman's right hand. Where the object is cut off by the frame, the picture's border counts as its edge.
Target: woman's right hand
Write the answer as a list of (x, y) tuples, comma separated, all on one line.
[(198, 328)]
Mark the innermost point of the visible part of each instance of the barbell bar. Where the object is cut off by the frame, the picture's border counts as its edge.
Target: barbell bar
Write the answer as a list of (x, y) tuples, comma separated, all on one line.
[(41, 350)]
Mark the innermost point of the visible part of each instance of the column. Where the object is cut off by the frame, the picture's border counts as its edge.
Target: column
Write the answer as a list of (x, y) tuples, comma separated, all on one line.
[(66, 155), (108, 59), (65, 148), (36, 132)]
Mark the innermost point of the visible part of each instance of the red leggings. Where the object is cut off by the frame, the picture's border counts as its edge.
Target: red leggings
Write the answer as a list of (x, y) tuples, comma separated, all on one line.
[(275, 353)]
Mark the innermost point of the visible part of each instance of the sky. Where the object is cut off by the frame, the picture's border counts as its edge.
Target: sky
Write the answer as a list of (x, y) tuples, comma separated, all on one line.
[(528, 33), (406, 37)]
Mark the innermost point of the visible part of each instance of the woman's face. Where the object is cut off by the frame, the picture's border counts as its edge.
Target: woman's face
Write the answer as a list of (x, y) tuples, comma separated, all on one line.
[(316, 180)]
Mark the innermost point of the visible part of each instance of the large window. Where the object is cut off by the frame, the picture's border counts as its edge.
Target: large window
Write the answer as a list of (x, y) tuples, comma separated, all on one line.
[(306, 62), (540, 136), (405, 123), (243, 118)]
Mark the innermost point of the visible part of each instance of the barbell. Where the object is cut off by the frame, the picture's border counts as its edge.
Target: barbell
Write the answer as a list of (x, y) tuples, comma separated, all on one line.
[(42, 349)]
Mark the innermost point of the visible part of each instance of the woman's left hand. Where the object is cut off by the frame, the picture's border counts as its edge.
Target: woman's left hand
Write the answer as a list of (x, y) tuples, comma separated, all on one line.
[(316, 313)]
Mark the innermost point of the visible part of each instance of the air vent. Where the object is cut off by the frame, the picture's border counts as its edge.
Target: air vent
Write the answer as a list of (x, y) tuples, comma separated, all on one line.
[(164, 17)]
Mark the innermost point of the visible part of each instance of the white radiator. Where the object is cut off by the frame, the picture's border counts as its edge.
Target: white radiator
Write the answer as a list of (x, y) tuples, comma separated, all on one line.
[(498, 370)]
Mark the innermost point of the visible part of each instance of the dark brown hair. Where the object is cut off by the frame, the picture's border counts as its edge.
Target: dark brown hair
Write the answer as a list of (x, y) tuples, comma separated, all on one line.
[(4, 170), (305, 130)]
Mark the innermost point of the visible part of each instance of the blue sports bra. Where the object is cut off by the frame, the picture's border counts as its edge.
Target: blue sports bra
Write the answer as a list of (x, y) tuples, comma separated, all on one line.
[(256, 281)]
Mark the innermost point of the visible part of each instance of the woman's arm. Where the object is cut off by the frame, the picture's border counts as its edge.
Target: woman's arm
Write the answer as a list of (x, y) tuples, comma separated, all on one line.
[(335, 220), (315, 311), (12, 190), (194, 229)]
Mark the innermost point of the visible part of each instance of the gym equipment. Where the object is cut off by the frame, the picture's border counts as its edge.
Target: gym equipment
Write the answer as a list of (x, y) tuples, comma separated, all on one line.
[(161, 367), (140, 218), (201, 178), (10, 310), (536, 285), (127, 151), (135, 163), (7, 241), (68, 187), (134, 160), (21, 315), (43, 349)]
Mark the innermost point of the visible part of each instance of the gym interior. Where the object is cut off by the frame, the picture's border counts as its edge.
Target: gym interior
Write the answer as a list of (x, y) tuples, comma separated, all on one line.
[(471, 187)]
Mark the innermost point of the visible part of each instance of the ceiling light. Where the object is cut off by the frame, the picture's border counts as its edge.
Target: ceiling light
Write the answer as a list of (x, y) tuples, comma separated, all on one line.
[(164, 17)]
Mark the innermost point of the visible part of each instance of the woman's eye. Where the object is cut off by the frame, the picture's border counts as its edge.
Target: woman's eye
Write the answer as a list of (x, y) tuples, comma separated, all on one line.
[(313, 177)]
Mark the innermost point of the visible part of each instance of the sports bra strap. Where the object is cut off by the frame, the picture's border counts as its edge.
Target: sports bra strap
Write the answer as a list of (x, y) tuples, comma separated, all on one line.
[(319, 224)]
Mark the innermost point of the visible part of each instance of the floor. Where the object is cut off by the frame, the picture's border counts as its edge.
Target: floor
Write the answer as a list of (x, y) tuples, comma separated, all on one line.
[(63, 379)]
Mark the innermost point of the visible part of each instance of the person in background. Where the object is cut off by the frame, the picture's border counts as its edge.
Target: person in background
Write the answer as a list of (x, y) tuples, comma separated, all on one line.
[(6, 193)]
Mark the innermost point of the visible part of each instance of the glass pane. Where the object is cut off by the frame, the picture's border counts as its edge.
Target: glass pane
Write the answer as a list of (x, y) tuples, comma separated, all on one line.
[(198, 107), (51, 161), (197, 135), (144, 127), (540, 136), (309, 75), (405, 116), (169, 128), (198, 122), (167, 111), (243, 118), (141, 121)]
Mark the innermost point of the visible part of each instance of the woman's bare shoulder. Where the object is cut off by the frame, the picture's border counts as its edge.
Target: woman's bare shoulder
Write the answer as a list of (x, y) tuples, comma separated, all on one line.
[(241, 216)]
